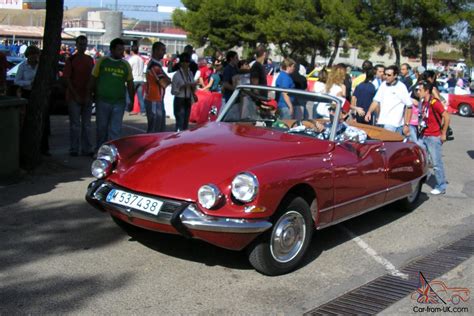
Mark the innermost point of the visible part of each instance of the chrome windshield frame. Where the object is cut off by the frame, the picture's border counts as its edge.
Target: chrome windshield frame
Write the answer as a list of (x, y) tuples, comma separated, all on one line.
[(328, 97)]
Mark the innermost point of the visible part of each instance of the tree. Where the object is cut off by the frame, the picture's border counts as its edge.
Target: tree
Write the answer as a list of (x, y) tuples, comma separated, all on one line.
[(434, 18), (219, 24), (37, 108), (294, 27), (338, 18), (387, 21)]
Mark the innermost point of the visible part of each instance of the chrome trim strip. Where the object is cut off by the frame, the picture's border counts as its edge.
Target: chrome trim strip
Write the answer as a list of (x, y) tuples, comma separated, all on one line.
[(195, 220), (370, 208), (373, 194), (360, 213)]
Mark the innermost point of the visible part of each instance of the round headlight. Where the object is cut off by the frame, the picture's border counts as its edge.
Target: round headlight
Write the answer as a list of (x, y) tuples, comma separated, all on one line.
[(245, 187), (107, 152), (208, 196), (101, 168)]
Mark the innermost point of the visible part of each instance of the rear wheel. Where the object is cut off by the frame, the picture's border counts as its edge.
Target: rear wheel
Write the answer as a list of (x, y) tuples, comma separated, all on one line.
[(408, 203), (281, 249), (465, 109)]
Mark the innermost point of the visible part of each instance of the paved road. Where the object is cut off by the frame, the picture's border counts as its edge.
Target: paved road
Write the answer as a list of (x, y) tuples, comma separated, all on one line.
[(59, 255)]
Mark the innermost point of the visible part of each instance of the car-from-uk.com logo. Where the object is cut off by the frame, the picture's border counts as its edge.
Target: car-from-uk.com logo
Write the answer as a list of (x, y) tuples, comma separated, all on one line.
[(437, 297)]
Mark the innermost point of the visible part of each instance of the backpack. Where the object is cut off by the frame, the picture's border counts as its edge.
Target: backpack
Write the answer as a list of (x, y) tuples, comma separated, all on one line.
[(449, 131)]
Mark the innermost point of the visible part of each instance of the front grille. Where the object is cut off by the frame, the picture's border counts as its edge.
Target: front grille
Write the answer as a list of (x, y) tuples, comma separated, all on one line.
[(169, 206)]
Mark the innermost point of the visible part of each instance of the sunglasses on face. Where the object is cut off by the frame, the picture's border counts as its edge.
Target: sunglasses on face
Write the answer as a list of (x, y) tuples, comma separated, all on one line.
[(388, 75)]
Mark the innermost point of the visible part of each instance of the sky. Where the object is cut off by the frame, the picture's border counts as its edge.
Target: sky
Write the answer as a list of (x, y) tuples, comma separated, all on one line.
[(153, 16)]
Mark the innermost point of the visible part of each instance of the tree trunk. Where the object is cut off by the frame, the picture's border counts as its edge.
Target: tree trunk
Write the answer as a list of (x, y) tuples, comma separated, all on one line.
[(38, 106), (337, 41), (424, 47), (471, 47), (396, 47), (314, 53)]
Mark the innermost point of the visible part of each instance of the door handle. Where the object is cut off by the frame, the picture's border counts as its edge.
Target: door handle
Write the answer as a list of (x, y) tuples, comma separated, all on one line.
[(380, 150)]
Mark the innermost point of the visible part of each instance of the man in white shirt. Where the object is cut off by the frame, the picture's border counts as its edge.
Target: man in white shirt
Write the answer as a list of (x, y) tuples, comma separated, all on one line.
[(138, 67), (390, 101)]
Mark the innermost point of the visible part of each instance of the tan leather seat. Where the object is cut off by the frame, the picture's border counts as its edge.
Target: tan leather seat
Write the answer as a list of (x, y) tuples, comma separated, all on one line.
[(379, 133), (373, 132)]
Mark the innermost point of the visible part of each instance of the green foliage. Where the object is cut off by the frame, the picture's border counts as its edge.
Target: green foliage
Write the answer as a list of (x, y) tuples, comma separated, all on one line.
[(300, 28), (453, 55)]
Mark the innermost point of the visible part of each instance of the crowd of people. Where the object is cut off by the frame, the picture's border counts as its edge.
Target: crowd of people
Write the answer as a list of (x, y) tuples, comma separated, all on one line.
[(401, 100)]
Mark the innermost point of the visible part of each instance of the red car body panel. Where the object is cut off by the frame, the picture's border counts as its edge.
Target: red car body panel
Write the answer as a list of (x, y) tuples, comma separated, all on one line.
[(339, 179), (455, 100), (177, 165)]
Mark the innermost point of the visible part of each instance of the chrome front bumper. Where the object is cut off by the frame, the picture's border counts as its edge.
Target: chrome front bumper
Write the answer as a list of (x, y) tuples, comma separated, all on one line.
[(179, 214)]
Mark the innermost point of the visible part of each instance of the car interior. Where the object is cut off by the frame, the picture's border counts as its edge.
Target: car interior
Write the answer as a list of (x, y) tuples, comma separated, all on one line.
[(260, 109)]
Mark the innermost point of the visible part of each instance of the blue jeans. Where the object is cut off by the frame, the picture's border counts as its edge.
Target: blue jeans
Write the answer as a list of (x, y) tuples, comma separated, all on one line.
[(108, 119), (413, 134), (300, 112), (156, 116), (284, 113), (80, 127), (433, 146), (139, 93), (182, 110), (393, 128)]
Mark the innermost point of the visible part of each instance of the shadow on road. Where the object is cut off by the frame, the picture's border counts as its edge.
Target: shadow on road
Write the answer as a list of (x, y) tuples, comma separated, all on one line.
[(202, 252)]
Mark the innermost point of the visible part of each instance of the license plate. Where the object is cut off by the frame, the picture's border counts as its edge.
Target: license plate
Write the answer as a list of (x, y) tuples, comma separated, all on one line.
[(134, 201)]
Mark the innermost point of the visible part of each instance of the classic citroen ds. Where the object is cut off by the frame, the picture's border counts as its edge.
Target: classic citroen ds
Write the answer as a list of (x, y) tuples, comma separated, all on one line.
[(253, 181)]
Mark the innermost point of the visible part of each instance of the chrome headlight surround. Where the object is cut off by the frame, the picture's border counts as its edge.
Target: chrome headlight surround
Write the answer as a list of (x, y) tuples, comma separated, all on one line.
[(209, 196), (245, 187), (108, 152), (101, 168)]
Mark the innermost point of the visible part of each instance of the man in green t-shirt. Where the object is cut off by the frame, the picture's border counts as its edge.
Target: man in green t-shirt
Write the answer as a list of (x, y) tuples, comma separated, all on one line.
[(109, 76)]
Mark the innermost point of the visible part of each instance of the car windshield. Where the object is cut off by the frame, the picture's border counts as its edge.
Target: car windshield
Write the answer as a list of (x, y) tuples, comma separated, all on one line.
[(262, 107)]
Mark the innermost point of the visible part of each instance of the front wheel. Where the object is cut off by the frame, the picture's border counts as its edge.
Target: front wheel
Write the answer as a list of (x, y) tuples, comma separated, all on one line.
[(465, 110), (281, 249)]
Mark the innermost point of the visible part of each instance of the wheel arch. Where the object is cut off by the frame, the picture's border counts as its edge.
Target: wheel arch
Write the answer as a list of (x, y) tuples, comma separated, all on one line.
[(306, 192)]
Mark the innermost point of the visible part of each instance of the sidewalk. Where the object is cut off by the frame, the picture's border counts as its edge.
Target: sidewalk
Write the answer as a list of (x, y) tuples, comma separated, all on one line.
[(60, 160)]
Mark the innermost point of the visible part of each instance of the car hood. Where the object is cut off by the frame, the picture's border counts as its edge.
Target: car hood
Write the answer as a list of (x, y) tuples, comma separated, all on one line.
[(177, 164)]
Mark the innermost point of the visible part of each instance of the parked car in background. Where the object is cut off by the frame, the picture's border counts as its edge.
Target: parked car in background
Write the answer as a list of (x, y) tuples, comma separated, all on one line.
[(460, 102), (258, 183), (57, 102)]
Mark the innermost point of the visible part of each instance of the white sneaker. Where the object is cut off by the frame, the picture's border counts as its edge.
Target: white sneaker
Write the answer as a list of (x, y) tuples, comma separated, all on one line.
[(437, 192)]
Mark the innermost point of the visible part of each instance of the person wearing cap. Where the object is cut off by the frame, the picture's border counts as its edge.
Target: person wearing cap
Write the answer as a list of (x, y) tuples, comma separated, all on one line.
[(344, 132), (193, 66)]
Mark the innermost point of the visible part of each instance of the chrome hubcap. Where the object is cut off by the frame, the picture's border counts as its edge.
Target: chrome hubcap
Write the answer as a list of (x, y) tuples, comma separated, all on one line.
[(463, 110), (414, 191), (288, 237)]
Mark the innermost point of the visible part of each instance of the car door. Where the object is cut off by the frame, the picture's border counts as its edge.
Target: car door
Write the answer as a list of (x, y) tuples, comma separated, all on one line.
[(404, 164), (359, 177)]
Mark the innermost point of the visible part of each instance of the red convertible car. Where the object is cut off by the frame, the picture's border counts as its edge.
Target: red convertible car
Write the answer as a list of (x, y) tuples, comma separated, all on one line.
[(253, 181)]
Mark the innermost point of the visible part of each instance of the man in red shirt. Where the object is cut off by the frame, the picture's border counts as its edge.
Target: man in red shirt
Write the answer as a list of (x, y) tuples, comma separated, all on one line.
[(77, 72), (434, 124)]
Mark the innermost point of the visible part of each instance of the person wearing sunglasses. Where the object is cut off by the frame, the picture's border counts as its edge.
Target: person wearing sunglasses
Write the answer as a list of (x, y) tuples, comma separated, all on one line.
[(393, 104)]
